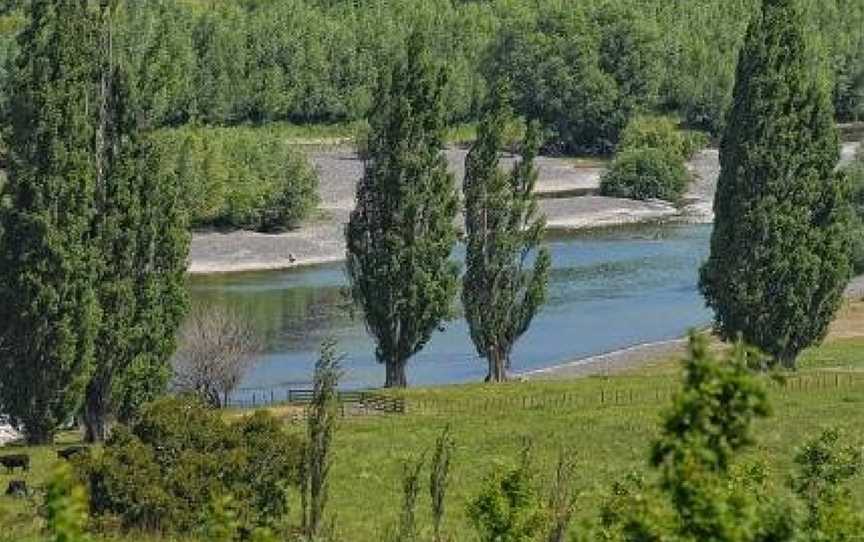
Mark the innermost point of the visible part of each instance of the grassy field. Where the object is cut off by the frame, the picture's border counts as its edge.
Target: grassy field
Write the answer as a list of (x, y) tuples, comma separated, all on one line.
[(607, 423)]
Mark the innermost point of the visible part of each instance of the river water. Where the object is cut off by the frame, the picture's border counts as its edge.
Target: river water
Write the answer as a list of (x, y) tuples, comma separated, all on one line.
[(609, 289)]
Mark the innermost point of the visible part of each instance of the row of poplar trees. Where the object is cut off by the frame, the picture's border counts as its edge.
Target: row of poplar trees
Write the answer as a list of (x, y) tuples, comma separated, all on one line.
[(780, 249), (401, 235), (93, 244)]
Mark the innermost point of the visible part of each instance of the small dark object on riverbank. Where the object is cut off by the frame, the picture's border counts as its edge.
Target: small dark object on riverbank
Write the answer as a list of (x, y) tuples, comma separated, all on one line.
[(17, 488), (72, 451), (11, 462)]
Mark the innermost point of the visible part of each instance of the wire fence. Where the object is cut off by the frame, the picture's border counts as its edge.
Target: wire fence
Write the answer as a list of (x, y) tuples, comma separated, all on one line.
[(611, 396), (603, 395)]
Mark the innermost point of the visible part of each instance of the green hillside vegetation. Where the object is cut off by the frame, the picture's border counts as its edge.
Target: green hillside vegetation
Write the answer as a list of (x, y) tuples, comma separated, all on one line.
[(584, 68)]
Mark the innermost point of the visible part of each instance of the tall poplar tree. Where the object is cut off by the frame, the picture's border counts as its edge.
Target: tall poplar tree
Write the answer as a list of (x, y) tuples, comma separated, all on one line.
[(143, 244), (401, 233), (780, 248), (48, 310), (506, 271)]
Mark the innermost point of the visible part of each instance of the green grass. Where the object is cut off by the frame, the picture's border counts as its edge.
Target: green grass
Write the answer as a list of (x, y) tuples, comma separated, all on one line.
[(490, 423)]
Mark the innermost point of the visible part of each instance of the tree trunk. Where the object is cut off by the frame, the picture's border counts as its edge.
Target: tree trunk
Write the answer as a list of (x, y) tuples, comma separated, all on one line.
[(95, 410), (38, 435), (498, 364), (788, 361), (396, 375)]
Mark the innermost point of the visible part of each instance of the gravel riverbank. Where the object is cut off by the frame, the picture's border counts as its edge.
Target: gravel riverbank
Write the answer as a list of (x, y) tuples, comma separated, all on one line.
[(569, 200)]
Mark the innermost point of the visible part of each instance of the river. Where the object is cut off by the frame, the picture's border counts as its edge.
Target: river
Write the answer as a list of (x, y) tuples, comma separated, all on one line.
[(609, 289)]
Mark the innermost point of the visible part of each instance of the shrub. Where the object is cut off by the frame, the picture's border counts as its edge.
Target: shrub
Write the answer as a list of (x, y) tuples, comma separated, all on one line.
[(66, 507), (240, 177), (645, 173), (217, 347), (661, 133), (168, 470), (509, 507)]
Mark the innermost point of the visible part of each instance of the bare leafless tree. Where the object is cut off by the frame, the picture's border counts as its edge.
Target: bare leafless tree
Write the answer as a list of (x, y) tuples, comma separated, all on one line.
[(217, 347)]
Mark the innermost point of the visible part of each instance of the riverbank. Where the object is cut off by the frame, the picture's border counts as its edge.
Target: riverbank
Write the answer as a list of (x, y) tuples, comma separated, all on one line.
[(568, 192), (848, 325)]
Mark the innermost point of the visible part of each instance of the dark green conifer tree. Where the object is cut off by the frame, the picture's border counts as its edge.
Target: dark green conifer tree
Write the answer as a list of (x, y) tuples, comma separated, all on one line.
[(502, 288), (780, 248), (142, 243), (48, 310), (401, 233)]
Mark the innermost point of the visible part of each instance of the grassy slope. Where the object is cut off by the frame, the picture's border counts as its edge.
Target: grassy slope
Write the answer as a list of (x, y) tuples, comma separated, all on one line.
[(609, 438)]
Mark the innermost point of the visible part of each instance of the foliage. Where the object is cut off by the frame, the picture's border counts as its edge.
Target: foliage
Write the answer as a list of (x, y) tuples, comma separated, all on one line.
[(710, 420), (660, 133), (581, 72), (699, 496), (506, 271), (645, 173), (825, 468), (711, 417), (48, 310), (164, 471), (217, 348), (143, 247), (780, 247), (314, 61), (562, 499), (240, 177), (320, 430), (509, 507), (411, 485), (66, 507), (401, 233), (439, 478)]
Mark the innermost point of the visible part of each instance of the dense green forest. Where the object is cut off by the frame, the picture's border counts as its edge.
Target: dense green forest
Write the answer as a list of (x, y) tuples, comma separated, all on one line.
[(581, 67)]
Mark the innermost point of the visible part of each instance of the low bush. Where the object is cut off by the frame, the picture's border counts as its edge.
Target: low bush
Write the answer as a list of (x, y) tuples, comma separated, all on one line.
[(249, 178), (661, 133), (166, 471), (645, 173)]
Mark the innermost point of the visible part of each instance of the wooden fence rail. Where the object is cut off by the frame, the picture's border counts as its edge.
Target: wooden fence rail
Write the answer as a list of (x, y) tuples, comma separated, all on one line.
[(351, 402)]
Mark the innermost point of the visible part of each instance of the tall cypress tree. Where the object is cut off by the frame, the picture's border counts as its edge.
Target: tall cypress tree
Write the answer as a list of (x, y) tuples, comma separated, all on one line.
[(143, 246), (401, 233), (780, 248), (502, 288), (48, 310)]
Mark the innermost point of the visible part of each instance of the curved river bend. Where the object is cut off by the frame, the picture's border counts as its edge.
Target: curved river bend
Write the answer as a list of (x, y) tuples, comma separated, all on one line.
[(609, 289)]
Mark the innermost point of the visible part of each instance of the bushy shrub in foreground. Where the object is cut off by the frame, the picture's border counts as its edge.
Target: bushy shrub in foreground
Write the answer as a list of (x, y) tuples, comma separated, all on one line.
[(249, 178), (165, 471), (645, 173)]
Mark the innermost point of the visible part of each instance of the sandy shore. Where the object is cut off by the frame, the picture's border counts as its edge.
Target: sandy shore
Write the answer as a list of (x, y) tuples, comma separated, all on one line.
[(568, 194)]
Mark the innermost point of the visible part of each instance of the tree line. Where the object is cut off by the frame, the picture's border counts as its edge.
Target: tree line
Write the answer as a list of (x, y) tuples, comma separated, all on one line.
[(781, 248), (582, 68)]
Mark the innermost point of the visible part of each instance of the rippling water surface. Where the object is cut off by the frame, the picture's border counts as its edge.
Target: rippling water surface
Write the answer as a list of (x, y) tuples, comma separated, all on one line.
[(608, 290)]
